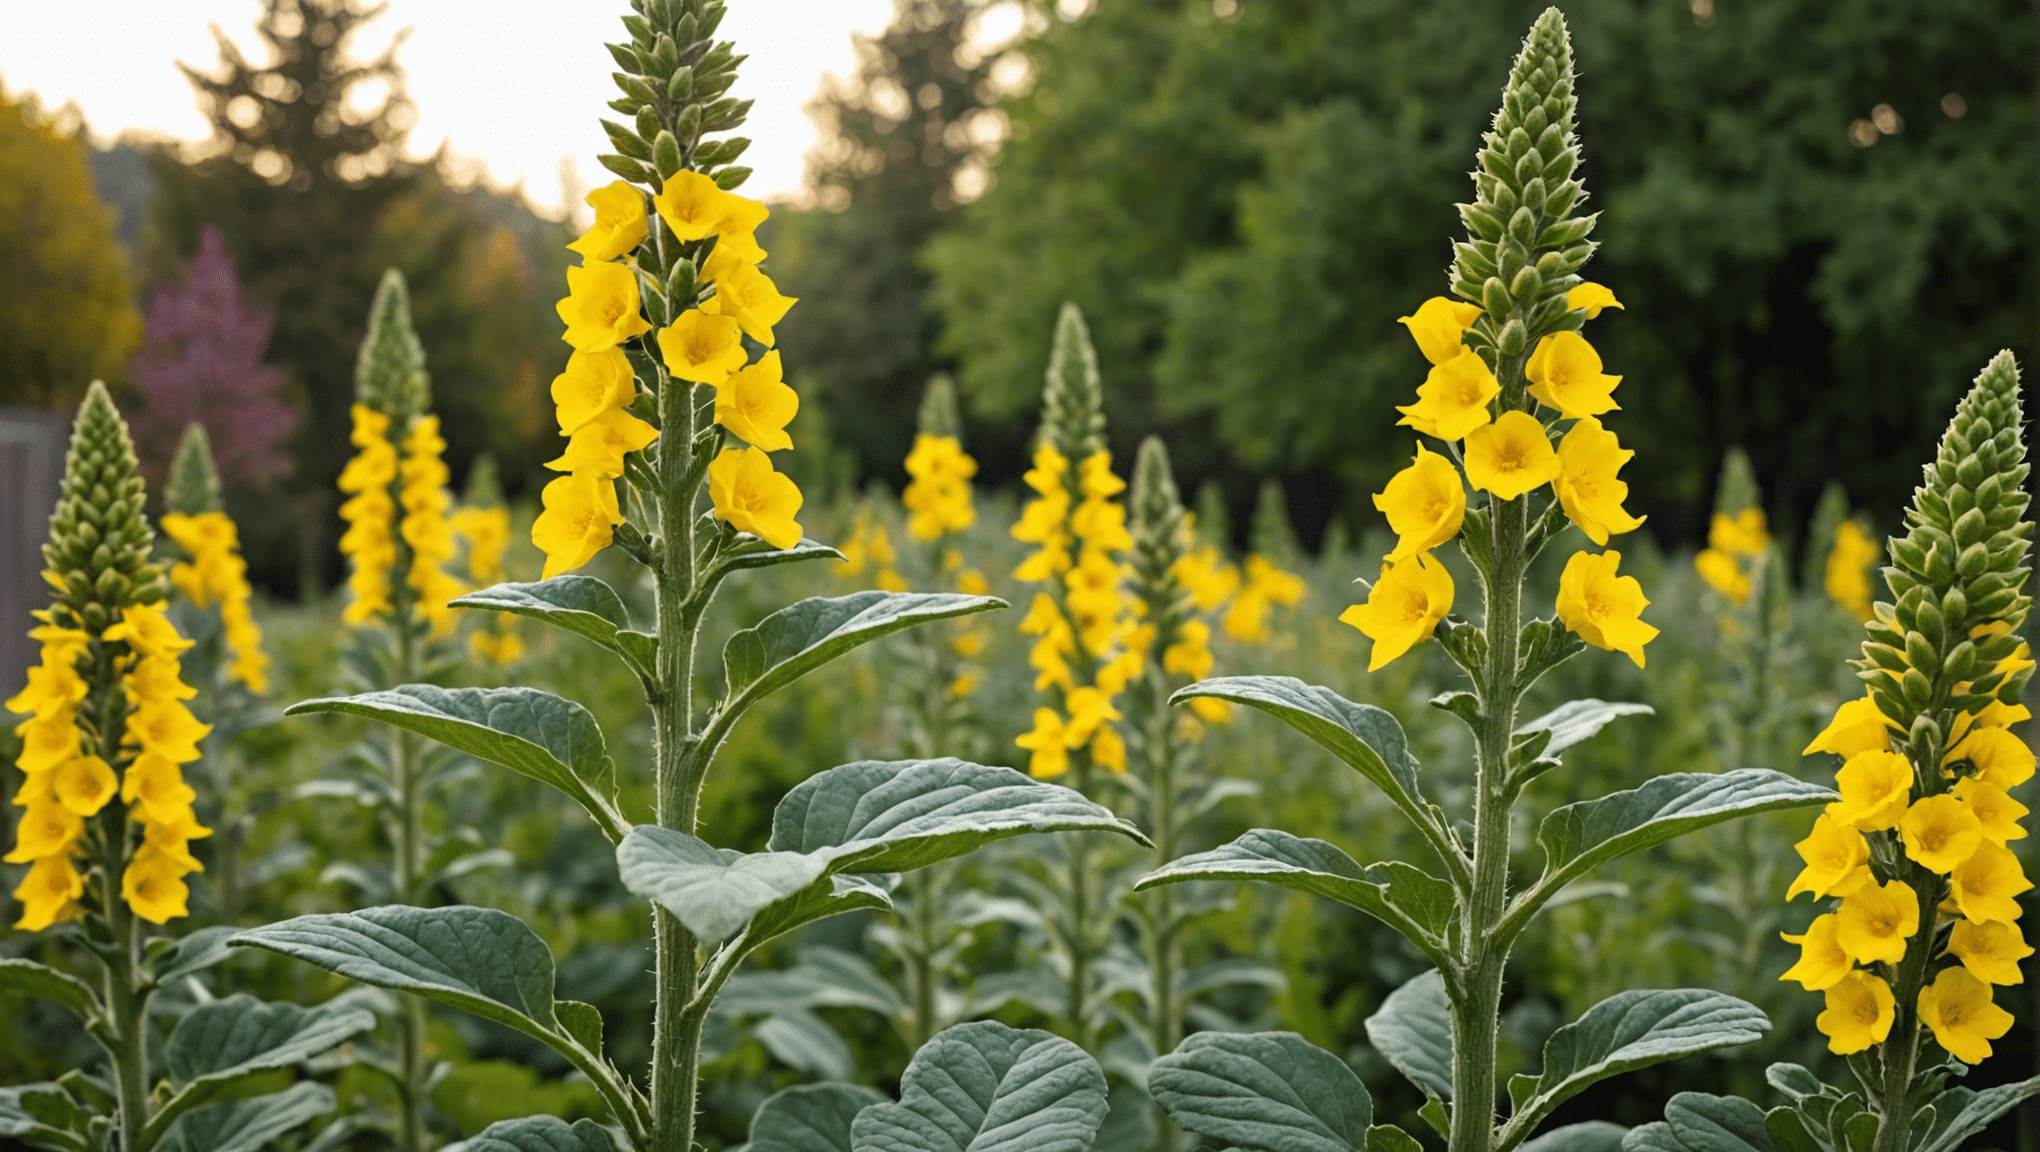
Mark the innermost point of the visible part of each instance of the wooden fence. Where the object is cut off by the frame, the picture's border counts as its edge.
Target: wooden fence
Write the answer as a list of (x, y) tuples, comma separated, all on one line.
[(31, 465)]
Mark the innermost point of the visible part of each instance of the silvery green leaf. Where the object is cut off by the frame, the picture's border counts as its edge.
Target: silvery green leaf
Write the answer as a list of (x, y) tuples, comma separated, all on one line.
[(33, 979), (807, 634), (714, 891), (582, 605), (1413, 1031), (193, 952), (809, 1118), (1960, 1113), (758, 554), (246, 1125), (1129, 1115), (984, 1087), (1627, 1031), (806, 1043), (1232, 970), (1653, 1137), (1362, 735), (549, 739), (1795, 1081), (42, 1115), (1404, 897), (1576, 721), (224, 1043), (1263, 1091), (1389, 1138), (1591, 1136), (1698, 1122), (537, 1134)]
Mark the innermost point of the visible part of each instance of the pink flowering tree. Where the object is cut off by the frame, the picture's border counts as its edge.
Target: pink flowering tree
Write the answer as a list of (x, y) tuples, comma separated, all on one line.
[(201, 361)]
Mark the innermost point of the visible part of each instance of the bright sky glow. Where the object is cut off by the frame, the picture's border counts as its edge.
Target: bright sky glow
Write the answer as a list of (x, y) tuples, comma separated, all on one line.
[(514, 84)]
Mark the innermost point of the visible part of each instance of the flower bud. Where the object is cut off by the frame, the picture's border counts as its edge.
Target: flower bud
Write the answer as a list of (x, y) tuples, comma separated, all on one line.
[(1514, 337), (1961, 663), (1922, 655)]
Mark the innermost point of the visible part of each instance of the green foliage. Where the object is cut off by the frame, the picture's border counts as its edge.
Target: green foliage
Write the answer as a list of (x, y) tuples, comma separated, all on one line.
[(194, 484), (247, 1125), (538, 1134), (1265, 1091), (809, 1118), (988, 1088)]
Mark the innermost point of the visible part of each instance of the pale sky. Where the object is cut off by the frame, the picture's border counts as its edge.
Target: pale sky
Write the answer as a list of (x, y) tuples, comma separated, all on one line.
[(515, 84)]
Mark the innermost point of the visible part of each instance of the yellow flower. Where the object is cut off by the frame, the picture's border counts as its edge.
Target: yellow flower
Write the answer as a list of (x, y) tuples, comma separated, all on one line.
[(1050, 753), (1822, 961), (47, 741), (1424, 503), (693, 207), (51, 689), (1999, 756), (1724, 574), (600, 445), (1875, 788), (1097, 480), (1957, 1007), (1996, 812), (1848, 568), (1742, 534), (1592, 298), (1985, 885), (734, 248), (1453, 399), (1108, 749), (1510, 456), (753, 498), (1088, 708), (147, 631), (756, 405), (749, 297), (702, 347), (1589, 457), (1837, 860), (155, 889), (1991, 950), (1940, 832), (1875, 921), (156, 786), (169, 838), (601, 307), (1403, 608), (48, 892), (1439, 327), (1565, 373), (1605, 609), (580, 517), (168, 729), (1189, 656), (620, 223), (84, 785), (593, 383), (46, 829), (1993, 715), (1212, 710), (1857, 727), (1859, 1013)]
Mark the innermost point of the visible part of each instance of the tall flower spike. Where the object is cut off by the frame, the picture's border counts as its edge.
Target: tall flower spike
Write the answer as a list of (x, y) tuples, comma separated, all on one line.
[(938, 416), (194, 484), (389, 374), (99, 544), (1073, 403)]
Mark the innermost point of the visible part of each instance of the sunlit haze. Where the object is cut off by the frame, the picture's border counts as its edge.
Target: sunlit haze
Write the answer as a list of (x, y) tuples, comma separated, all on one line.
[(515, 85)]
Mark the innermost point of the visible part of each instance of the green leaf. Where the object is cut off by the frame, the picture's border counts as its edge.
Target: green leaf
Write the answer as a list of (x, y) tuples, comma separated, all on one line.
[(1653, 1137), (984, 1087), (819, 902), (581, 1021), (33, 979), (896, 816), (1576, 721), (1580, 837), (809, 1118), (870, 816), (246, 1125), (30, 1114), (1415, 904), (1592, 1136), (194, 952), (1960, 1113), (537, 1134), (549, 739), (1796, 1081), (226, 1042), (1704, 1123), (1263, 1091), (757, 554), (1389, 1138), (1362, 735), (1627, 1031), (582, 605), (805, 635), (1413, 1031), (478, 960)]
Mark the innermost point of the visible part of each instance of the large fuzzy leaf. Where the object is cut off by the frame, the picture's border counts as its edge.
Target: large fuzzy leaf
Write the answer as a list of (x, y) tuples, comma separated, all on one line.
[(1413, 1031), (807, 634), (1631, 1030), (549, 739), (582, 605), (1960, 1113), (246, 1125), (1576, 721), (43, 1115), (227, 1042), (33, 979), (1416, 904), (985, 1087), (809, 1118), (714, 891), (1591, 1136), (1264, 1091), (537, 1134)]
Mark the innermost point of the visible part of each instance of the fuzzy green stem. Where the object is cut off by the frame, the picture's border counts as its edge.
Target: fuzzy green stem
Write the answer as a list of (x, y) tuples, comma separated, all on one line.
[(125, 1005), (920, 954), (1898, 1056), (1165, 1024), (680, 764), (407, 883)]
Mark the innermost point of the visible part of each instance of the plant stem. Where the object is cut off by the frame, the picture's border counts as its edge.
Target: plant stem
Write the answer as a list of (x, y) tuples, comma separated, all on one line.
[(1165, 1025), (920, 955), (676, 1038), (1899, 1054), (125, 1004), (407, 886), (1476, 1010)]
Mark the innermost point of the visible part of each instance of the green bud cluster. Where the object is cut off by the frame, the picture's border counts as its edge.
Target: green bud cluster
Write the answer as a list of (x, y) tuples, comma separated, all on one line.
[(99, 543), (194, 484), (1525, 244), (484, 483), (1958, 575), (1737, 488), (1161, 537), (1073, 400), (673, 76), (389, 373), (1271, 534), (938, 415)]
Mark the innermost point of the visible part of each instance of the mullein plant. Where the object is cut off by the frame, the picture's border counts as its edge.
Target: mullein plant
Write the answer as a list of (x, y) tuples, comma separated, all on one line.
[(1262, 583), (673, 392), (1511, 373), (1738, 540), (1912, 864), (1081, 620), (226, 658), (108, 837)]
